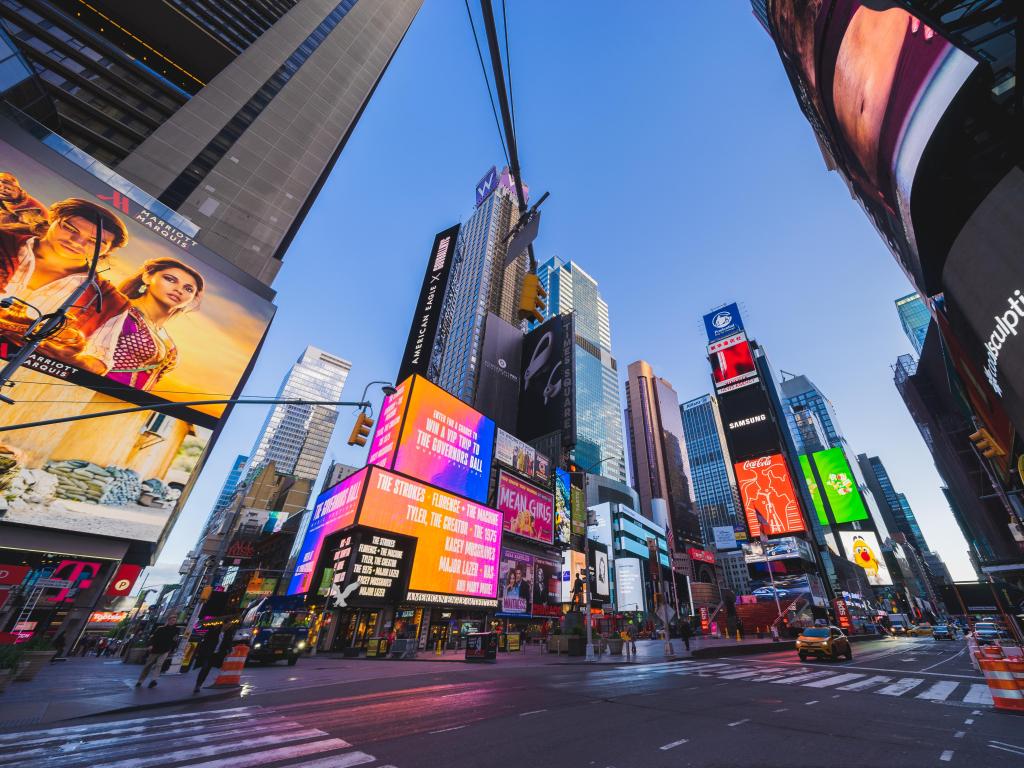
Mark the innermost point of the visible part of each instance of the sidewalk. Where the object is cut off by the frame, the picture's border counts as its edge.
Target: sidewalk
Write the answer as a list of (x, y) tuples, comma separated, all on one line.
[(81, 687)]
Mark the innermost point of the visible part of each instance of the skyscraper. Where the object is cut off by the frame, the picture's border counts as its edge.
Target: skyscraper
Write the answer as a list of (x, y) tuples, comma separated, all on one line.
[(599, 445), (480, 282), (798, 394), (914, 317), (295, 437), (711, 474), (657, 450), (230, 113), (228, 489)]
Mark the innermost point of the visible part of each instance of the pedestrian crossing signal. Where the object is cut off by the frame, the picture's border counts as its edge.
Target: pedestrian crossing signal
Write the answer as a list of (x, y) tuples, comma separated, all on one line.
[(361, 430)]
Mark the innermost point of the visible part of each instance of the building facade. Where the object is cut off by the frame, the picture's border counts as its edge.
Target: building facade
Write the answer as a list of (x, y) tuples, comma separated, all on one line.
[(712, 478), (914, 318), (231, 114), (295, 437), (799, 394), (657, 450), (599, 443)]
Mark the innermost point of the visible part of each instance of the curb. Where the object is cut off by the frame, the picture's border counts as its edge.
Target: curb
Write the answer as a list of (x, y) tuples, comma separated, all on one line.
[(218, 696)]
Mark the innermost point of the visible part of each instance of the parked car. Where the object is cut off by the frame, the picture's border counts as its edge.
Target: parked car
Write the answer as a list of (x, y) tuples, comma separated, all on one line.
[(942, 632), (824, 643), (987, 632)]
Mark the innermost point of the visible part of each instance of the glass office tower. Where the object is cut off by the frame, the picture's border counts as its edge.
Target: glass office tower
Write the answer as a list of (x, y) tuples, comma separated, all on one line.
[(914, 317), (711, 475)]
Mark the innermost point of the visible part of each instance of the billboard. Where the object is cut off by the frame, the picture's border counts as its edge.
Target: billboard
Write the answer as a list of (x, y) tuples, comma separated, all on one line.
[(528, 511), (602, 578), (547, 399), (335, 510), (629, 584), (563, 506), (723, 322), (732, 363), (425, 319), (701, 555), (840, 486), (486, 185), (427, 433), (725, 537), (766, 488), (371, 567), (812, 486), (875, 83), (748, 422), (522, 458), (166, 321), (863, 549), (457, 540), (497, 389), (515, 574), (547, 590), (577, 504)]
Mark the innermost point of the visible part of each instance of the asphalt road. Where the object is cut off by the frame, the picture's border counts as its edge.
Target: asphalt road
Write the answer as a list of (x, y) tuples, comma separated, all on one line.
[(767, 710)]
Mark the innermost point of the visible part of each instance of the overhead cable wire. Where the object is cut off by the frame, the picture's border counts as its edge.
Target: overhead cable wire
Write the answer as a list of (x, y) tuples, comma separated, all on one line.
[(508, 69), (487, 82)]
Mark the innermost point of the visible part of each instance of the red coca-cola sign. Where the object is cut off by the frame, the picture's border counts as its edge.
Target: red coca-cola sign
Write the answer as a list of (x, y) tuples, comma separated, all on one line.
[(766, 489)]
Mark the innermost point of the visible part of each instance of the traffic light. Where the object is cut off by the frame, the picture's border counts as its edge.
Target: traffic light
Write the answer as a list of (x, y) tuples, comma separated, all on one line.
[(361, 430), (205, 594), (988, 447), (531, 300)]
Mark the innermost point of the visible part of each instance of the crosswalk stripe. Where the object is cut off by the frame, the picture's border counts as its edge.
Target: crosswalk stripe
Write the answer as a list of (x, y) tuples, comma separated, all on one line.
[(865, 684), (213, 714), (729, 675), (771, 674), (345, 760), (835, 680), (283, 753), (901, 686), (940, 691), (165, 758), (801, 678), (978, 694)]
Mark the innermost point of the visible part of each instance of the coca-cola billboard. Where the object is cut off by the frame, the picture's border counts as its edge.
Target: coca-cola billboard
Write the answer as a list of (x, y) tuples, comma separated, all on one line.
[(767, 489)]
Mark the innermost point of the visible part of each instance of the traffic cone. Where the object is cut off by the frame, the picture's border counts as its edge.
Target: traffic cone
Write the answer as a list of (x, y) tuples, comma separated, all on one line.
[(1001, 677), (231, 669)]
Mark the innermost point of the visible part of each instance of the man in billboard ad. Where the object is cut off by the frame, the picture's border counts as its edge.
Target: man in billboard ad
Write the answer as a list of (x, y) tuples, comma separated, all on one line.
[(748, 421), (865, 551), (546, 587), (497, 391), (766, 489), (723, 322), (546, 399), (528, 511), (428, 306), (516, 578)]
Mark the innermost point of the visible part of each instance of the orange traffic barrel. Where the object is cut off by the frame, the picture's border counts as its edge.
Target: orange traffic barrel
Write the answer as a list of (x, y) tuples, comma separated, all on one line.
[(1001, 677), (231, 668)]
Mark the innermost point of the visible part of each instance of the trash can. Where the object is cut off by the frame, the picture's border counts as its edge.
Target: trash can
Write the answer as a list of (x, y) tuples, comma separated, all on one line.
[(482, 646)]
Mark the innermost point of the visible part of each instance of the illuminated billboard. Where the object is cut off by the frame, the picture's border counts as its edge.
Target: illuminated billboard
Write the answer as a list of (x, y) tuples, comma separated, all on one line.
[(864, 550), (812, 486), (840, 486), (165, 321), (427, 433), (547, 402), (457, 540), (722, 322), (526, 460), (766, 488), (748, 423), (528, 511), (515, 583), (563, 507), (732, 363)]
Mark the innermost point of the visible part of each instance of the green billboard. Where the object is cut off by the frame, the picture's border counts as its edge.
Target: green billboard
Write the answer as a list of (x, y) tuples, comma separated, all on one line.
[(840, 486), (819, 506)]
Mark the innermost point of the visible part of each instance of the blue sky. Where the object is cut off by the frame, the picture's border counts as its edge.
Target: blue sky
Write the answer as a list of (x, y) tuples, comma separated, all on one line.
[(682, 176)]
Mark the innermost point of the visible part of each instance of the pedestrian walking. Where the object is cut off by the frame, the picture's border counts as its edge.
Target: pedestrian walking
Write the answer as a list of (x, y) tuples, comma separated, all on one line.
[(686, 631), (206, 655), (161, 643)]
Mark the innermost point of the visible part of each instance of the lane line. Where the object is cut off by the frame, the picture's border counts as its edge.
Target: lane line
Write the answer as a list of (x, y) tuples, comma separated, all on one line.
[(812, 701), (739, 722), (337, 761), (901, 686), (532, 712), (933, 666), (781, 709), (1005, 744), (959, 734), (977, 711), (939, 691), (274, 755), (445, 730), (1004, 749), (946, 756), (673, 745), (978, 694), (833, 680), (968, 721)]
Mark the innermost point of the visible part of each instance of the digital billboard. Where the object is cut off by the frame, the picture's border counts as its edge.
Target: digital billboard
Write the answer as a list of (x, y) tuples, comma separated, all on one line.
[(766, 488), (732, 363), (166, 321), (875, 83), (864, 550), (629, 584), (335, 510), (523, 458), (723, 322), (457, 540), (439, 439), (840, 486), (725, 537), (427, 315), (528, 511), (497, 388), (812, 486), (602, 578), (547, 590), (748, 423), (547, 399), (371, 567), (563, 507), (515, 590)]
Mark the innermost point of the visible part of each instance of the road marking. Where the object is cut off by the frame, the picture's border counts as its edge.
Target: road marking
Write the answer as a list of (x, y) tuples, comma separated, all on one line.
[(946, 756), (80, 729), (968, 721), (165, 758), (673, 745), (532, 712), (933, 666), (978, 694), (977, 711), (959, 734), (901, 686), (1005, 744), (993, 745), (802, 678), (283, 753), (445, 730), (739, 675), (812, 701), (939, 691), (781, 709), (833, 680), (341, 761), (739, 722)]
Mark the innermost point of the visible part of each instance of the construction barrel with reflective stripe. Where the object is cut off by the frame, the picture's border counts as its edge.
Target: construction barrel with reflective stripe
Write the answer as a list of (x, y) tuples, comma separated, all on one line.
[(231, 669), (1001, 677)]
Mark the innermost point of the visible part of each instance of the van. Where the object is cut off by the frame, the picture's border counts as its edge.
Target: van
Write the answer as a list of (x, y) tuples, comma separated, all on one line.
[(900, 623)]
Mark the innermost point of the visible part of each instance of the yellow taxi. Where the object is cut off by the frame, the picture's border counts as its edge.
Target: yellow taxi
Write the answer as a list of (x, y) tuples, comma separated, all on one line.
[(924, 629), (825, 643)]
